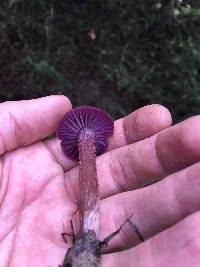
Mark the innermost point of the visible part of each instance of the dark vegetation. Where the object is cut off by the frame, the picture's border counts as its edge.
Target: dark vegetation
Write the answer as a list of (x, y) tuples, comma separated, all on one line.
[(118, 55)]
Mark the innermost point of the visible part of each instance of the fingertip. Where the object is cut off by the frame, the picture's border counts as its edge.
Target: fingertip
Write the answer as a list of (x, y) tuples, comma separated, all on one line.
[(146, 122), (159, 115), (58, 106), (61, 101), (64, 99)]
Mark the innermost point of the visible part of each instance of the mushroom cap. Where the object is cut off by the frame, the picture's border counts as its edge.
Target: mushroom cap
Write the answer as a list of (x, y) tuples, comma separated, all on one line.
[(79, 119)]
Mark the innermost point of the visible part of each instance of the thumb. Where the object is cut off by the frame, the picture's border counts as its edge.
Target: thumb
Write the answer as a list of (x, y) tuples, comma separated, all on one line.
[(24, 122)]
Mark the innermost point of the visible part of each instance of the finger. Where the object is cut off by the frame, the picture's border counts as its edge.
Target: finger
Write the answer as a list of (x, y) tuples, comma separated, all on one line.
[(24, 122), (137, 126), (179, 246), (144, 162), (179, 147), (154, 208)]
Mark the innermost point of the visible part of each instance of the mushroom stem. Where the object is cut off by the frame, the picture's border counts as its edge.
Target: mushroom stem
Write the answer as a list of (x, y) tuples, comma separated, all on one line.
[(88, 182)]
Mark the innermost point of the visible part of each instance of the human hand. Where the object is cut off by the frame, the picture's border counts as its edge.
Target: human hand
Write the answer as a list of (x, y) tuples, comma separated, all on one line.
[(39, 188)]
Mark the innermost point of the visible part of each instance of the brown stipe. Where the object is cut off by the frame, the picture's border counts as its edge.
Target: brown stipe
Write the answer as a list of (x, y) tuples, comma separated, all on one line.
[(84, 133)]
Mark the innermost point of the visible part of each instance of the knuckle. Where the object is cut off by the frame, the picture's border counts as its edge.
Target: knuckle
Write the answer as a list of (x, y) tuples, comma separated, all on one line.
[(192, 233)]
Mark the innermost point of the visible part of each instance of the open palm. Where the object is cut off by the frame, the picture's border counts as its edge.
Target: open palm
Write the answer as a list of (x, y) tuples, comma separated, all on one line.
[(39, 187)]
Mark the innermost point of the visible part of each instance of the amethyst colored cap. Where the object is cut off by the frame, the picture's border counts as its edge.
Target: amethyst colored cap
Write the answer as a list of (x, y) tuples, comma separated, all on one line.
[(81, 118)]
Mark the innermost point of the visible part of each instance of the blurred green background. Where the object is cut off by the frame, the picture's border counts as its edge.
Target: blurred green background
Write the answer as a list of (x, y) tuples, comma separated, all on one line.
[(117, 55)]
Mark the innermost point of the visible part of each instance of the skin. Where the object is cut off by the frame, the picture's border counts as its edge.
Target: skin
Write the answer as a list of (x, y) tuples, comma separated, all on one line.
[(39, 187)]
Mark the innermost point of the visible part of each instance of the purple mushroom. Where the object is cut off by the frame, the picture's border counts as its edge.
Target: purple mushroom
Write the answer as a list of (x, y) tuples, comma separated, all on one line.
[(84, 132), (79, 121)]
